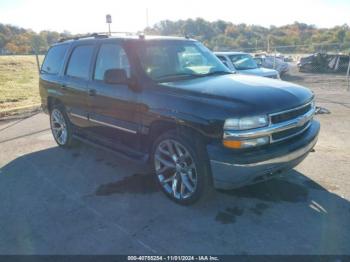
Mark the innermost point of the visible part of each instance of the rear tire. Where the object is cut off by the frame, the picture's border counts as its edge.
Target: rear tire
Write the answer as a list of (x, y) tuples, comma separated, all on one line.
[(181, 167), (61, 127)]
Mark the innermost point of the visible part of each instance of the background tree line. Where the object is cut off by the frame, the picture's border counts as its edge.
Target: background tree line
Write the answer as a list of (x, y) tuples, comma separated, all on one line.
[(221, 35), (217, 35), (16, 40)]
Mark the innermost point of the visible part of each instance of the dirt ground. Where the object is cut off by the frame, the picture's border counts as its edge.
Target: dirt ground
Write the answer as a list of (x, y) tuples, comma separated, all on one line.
[(334, 142)]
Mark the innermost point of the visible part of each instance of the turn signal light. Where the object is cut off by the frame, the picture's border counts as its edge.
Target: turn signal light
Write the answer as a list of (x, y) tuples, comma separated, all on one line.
[(232, 143), (246, 143)]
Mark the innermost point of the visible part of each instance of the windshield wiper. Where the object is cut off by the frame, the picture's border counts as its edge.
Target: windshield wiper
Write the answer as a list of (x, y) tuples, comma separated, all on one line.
[(215, 73), (175, 76), (186, 75)]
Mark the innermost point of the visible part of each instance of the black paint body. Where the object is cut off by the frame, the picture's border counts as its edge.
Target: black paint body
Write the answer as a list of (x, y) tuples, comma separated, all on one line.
[(201, 104)]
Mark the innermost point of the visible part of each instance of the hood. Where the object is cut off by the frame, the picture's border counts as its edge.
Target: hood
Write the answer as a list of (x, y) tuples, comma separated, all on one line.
[(245, 94), (259, 72)]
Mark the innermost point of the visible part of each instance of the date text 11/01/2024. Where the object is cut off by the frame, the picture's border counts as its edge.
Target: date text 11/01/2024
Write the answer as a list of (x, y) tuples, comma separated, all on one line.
[(173, 258)]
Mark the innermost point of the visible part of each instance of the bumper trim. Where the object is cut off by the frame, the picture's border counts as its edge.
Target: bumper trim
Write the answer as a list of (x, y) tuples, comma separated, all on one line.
[(286, 158), (233, 169)]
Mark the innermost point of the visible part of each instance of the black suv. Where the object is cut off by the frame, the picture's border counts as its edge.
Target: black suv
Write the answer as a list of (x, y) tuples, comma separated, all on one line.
[(172, 102)]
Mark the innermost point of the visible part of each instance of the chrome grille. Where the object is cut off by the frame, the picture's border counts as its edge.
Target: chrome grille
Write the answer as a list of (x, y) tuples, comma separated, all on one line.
[(291, 115), (278, 136), (288, 115)]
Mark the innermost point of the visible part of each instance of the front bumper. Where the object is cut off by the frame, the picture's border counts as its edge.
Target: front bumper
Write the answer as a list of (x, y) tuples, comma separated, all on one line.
[(232, 169)]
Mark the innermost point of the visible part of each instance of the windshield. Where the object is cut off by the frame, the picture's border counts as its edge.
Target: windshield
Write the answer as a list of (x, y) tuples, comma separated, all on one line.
[(243, 62), (176, 60)]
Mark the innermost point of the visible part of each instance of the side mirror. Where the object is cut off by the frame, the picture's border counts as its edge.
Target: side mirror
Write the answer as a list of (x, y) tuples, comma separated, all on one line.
[(116, 76)]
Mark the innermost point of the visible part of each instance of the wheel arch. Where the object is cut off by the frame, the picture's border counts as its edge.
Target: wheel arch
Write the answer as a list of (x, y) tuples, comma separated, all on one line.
[(52, 101), (159, 127)]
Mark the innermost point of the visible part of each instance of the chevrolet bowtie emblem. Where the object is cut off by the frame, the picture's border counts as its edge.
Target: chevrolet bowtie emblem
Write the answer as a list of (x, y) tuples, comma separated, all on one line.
[(302, 120)]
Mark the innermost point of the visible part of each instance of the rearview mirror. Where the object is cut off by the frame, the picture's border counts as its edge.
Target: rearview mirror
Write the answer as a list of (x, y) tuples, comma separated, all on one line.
[(116, 76)]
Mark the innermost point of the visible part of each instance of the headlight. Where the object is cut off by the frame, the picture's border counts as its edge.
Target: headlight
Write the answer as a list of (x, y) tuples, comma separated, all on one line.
[(246, 123)]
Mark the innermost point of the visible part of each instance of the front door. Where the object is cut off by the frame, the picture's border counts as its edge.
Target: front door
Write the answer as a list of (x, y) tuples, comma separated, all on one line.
[(112, 106)]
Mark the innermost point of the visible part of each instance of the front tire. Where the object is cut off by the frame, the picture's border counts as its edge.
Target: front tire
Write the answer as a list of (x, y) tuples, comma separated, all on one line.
[(61, 127), (181, 167)]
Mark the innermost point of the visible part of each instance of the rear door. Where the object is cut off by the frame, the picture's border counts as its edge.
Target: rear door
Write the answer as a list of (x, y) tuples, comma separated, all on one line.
[(75, 83), (51, 73), (112, 106)]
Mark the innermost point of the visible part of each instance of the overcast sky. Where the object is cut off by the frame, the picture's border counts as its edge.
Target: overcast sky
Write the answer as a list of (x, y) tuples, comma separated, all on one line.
[(130, 15)]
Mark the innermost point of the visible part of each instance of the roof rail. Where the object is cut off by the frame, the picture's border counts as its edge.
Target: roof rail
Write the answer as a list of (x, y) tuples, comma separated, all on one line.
[(99, 35), (94, 35), (124, 33)]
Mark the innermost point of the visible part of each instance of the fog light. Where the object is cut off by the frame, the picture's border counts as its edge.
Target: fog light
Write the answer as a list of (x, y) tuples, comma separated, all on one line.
[(246, 143)]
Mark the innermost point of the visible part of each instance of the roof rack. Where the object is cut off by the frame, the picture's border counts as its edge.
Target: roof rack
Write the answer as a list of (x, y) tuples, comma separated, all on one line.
[(124, 33), (93, 35), (97, 35)]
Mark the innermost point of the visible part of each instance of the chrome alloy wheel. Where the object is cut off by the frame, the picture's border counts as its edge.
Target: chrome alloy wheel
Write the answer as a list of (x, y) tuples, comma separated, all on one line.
[(175, 169), (59, 127)]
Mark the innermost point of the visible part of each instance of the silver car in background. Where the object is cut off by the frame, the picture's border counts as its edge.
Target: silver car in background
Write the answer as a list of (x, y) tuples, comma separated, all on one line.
[(244, 63), (272, 62)]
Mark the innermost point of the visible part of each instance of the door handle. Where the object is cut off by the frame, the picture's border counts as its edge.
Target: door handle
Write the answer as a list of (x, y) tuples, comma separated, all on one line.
[(92, 92)]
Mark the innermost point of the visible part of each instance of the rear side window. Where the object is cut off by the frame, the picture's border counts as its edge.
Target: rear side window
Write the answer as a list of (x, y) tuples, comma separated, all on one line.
[(54, 59), (111, 56), (79, 62)]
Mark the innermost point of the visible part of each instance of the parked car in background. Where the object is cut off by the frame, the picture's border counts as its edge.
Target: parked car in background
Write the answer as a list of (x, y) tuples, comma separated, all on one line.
[(171, 103), (244, 63), (324, 63), (272, 62)]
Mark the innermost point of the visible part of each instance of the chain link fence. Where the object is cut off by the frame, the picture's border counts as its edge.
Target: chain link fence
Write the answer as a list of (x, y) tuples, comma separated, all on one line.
[(326, 66)]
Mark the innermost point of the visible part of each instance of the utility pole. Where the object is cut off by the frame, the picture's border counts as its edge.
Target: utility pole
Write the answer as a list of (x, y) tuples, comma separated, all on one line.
[(348, 74), (37, 59), (147, 18), (109, 21)]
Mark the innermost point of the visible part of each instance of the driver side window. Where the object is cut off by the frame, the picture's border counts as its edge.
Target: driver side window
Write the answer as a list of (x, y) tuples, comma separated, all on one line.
[(111, 56)]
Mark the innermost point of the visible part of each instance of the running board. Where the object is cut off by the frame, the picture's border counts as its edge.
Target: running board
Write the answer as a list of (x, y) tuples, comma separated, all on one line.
[(137, 158)]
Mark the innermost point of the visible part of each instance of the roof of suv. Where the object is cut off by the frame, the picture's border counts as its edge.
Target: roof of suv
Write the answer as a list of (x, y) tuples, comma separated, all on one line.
[(126, 37)]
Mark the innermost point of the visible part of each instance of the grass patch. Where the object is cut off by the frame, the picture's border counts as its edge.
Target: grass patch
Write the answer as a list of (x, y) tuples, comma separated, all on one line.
[(19, 82)]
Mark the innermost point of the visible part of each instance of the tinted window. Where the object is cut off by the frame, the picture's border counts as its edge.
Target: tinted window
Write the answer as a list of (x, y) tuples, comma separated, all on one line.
[(79, 62), (54, 59), (111, 56), (165, 60)]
